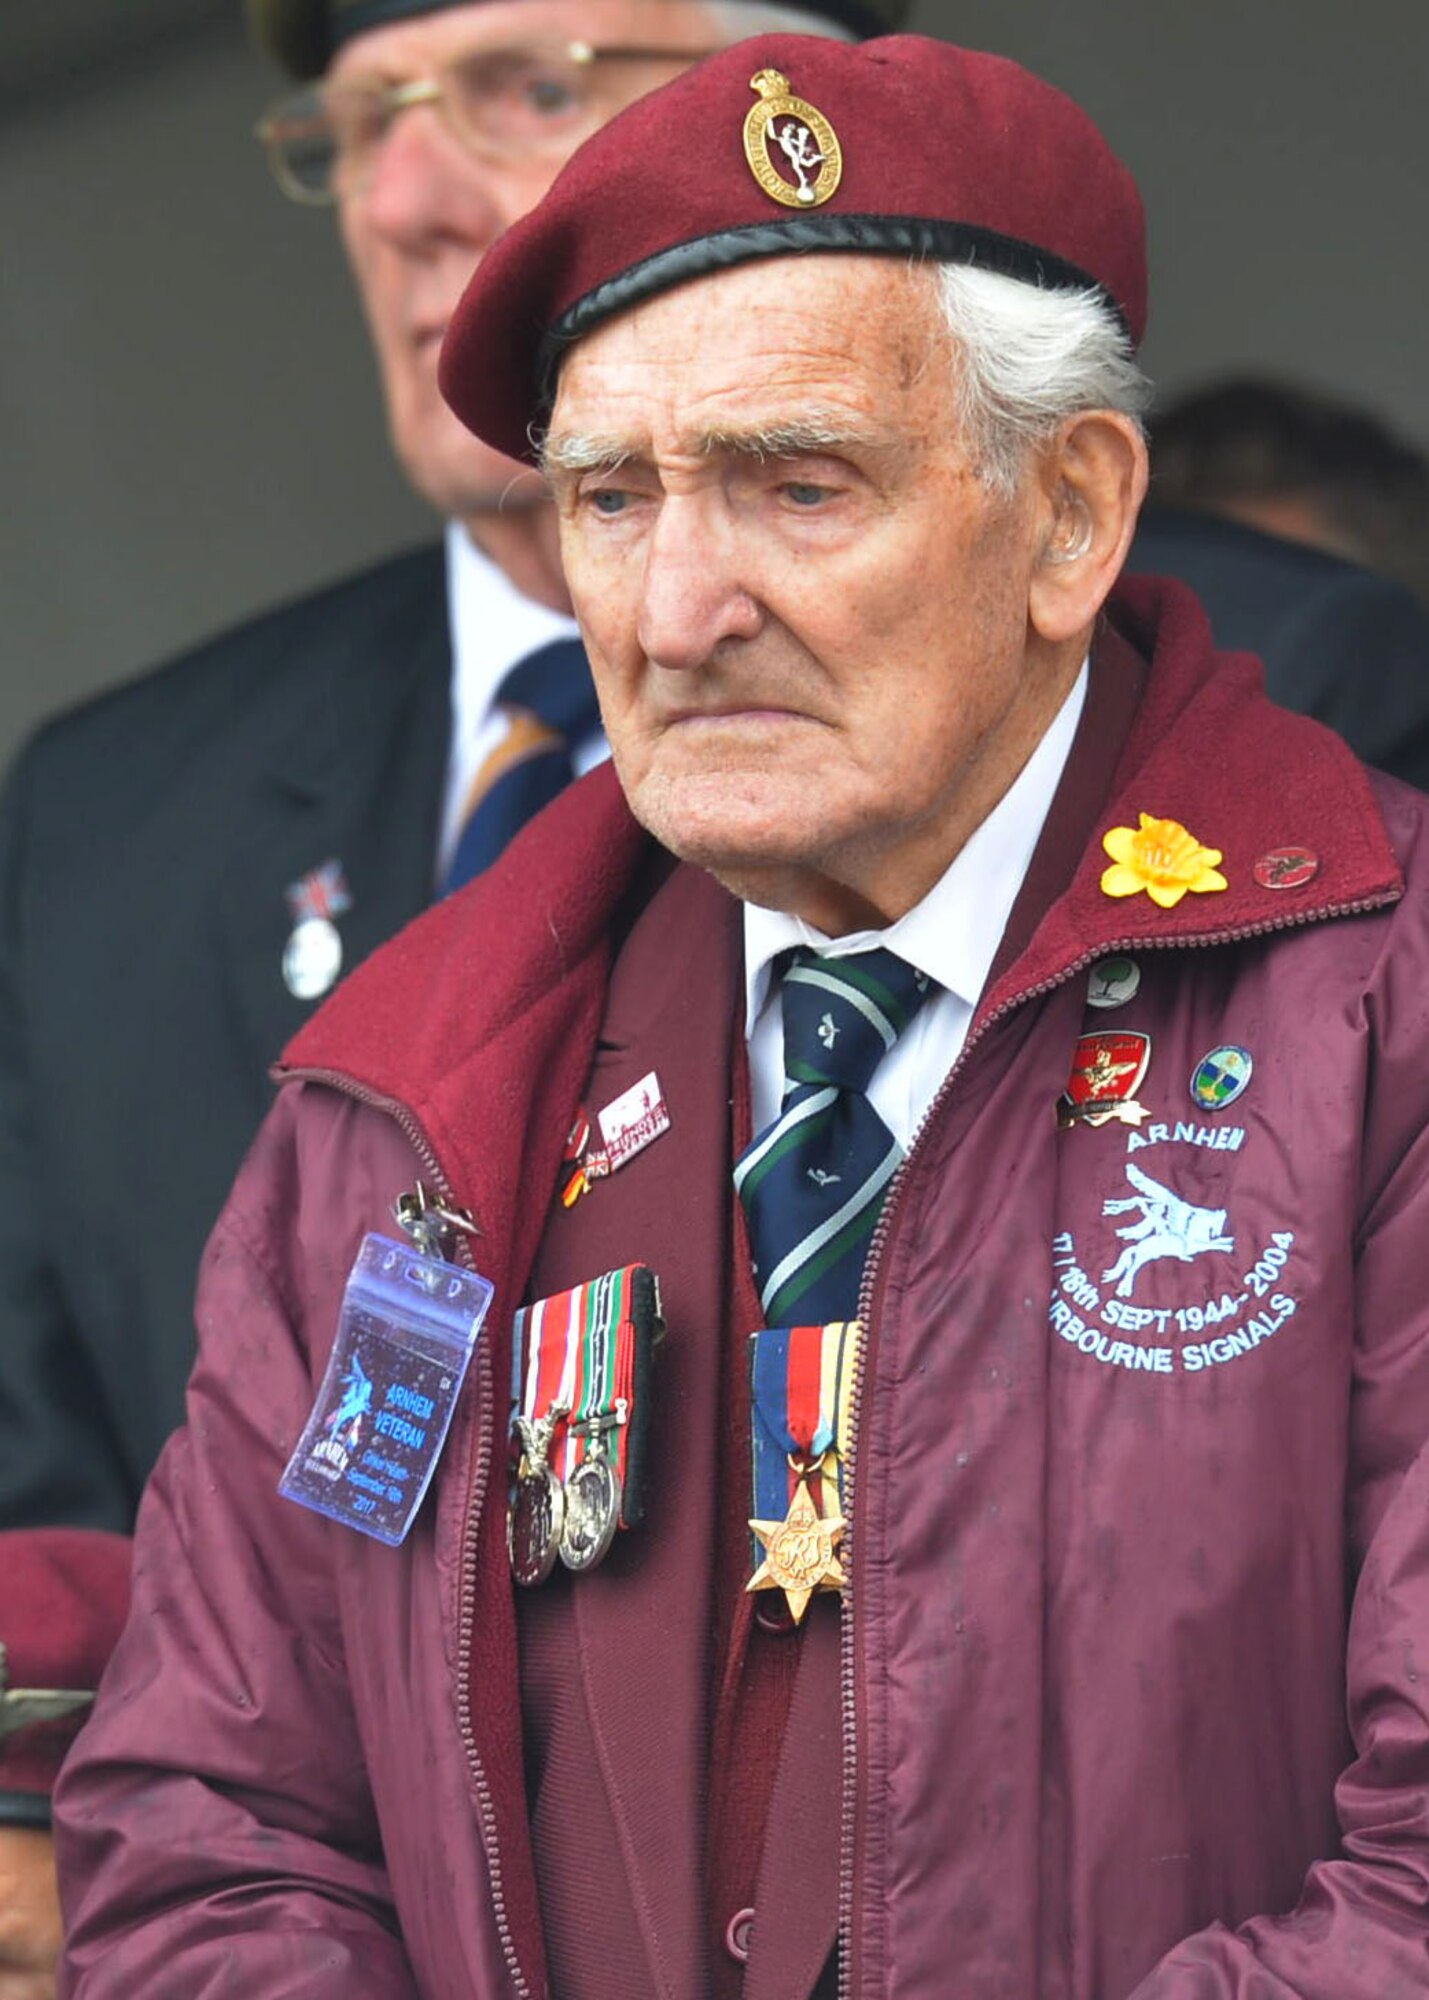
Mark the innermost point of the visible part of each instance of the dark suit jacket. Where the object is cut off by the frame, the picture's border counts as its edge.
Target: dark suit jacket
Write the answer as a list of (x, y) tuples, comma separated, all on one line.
[(146, 841), (1339, 643)]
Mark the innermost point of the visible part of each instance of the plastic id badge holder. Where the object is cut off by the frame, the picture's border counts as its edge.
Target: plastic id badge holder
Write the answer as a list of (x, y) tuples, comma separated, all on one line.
[(406, 1333)]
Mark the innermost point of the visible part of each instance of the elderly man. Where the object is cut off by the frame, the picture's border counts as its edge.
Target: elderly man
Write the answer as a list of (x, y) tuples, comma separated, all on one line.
[(188, 864), (985, 1033)]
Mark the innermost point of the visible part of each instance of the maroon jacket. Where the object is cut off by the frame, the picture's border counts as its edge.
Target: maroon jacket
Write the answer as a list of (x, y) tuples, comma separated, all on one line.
[(1137, 1627)]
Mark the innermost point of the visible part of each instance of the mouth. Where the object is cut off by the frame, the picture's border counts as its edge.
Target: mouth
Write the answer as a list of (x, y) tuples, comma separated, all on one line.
[(733, 716)]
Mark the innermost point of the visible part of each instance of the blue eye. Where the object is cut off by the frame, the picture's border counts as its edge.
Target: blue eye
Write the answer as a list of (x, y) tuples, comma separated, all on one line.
[(804, 493), (609, 500)]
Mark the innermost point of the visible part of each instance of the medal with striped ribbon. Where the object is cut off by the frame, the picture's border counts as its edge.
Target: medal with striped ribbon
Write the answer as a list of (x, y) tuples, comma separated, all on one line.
[(580, 1373), (801, 1380)]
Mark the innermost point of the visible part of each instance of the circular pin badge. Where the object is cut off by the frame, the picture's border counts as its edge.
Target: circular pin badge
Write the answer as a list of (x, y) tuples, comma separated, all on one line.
[(1221, 1077), (1287, 868), (791, 148), (1112, 982), (312, 958)]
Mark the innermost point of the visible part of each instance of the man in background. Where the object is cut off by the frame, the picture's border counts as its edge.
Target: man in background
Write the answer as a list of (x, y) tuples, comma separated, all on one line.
[(1302, 523), (188, 864), (1297, 463)]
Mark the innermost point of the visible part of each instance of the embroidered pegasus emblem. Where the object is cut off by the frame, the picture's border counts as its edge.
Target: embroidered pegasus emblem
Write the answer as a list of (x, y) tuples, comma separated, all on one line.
[(1169, 1227)]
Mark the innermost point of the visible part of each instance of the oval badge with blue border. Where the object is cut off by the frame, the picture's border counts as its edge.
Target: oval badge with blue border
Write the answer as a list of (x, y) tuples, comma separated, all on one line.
[(1221, 1077)]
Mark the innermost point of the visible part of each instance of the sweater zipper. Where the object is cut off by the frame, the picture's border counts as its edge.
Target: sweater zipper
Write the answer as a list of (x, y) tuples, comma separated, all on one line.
[(848, 1665), (486, 1811)]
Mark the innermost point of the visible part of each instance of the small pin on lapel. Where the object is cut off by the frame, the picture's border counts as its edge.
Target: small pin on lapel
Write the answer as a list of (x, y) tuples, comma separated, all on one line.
[(1112, 982), (312, 957)]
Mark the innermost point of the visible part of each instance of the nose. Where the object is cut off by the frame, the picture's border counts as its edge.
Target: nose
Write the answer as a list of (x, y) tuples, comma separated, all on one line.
[(422, 188), (694, 598)]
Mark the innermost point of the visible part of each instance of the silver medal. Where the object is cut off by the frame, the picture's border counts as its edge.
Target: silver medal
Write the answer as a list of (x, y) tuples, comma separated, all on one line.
[(592, 1513), (536, 1515), (534, 1524), (312, 958)]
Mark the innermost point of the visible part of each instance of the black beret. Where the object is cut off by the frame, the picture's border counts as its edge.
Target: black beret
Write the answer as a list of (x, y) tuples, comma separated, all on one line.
[(302, 35)]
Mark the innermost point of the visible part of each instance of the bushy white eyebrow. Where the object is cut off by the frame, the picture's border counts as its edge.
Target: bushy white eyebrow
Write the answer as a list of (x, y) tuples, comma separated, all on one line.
[(578, 452), (581, 451), (791, 437)]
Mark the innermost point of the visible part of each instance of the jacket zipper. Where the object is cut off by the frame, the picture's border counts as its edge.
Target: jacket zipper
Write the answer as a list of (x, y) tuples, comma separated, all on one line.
[(848, 1666), (486, 1811)]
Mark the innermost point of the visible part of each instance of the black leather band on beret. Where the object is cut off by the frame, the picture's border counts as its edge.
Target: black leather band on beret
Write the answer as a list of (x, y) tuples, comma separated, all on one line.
[(890, 235), (24, 1809)]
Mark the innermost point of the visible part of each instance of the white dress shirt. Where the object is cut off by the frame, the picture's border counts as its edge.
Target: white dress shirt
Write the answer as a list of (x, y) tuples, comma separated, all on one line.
[(952, 935), (492, 627)]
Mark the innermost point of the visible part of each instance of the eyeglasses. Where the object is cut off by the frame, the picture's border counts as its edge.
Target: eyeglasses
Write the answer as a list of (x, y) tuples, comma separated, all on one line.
[(535, 100)]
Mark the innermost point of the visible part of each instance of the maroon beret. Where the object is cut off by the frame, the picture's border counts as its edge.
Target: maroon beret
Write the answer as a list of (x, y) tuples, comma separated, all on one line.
[(786, 144), (304, 35), (64, 1595)]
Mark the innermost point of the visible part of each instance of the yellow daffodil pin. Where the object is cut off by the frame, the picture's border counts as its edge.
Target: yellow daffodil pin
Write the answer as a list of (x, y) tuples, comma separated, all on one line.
[(1160, 857)]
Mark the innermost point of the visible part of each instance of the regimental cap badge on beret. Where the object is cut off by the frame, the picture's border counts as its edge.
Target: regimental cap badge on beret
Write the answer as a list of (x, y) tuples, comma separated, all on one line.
[(941, 155), (783, 128)]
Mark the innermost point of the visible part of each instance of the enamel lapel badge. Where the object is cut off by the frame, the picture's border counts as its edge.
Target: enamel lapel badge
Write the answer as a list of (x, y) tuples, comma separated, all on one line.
[(1107, 1072), (628, 1124)]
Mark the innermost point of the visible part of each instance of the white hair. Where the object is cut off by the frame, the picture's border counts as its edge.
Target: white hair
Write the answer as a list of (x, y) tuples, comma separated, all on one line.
[(1027, 359), (737, 20)]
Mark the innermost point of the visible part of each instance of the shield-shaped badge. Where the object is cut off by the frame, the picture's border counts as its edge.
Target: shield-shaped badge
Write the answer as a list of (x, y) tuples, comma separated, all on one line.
[(1107, 1072)]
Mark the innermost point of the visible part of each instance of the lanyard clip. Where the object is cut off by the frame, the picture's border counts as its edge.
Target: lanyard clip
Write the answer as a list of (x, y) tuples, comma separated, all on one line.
[(431, 1223)]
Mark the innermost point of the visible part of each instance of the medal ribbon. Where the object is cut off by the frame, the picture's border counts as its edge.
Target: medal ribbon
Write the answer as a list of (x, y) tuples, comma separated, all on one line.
[(323, 892), (597, 1313), (577, 1349), (542, 1363), (801, 1378)]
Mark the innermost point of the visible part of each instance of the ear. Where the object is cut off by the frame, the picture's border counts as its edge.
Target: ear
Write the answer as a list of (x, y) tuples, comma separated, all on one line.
[(1093, 481)]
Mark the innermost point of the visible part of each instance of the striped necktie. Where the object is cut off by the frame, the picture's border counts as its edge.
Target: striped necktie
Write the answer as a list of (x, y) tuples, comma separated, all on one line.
[(813, 1183), (550, 705)]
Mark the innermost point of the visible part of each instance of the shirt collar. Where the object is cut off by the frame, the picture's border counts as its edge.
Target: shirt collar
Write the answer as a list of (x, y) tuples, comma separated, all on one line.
[(492, 626), (954, 932)]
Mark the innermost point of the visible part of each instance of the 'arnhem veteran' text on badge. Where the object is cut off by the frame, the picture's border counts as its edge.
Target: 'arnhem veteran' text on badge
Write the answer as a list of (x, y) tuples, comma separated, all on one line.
[(791, 147), (1107, 1072)]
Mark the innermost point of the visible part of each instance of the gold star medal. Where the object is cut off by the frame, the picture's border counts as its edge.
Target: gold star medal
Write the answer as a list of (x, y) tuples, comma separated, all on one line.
[(800, 1552), (791, 148)]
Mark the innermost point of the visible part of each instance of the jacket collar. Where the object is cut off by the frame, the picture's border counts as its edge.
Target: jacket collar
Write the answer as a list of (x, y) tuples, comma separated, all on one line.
[(1208, 749)]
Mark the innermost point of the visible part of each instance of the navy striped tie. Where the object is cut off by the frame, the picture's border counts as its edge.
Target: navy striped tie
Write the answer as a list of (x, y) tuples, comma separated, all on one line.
[(813, 1183), (550, 702)]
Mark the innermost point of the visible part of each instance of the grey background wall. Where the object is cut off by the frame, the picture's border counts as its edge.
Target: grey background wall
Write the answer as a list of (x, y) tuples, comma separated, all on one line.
[(188, 424)]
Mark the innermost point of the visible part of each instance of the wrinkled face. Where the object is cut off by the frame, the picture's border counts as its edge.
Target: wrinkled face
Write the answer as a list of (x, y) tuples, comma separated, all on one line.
[(429, 209), (807, 616)]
